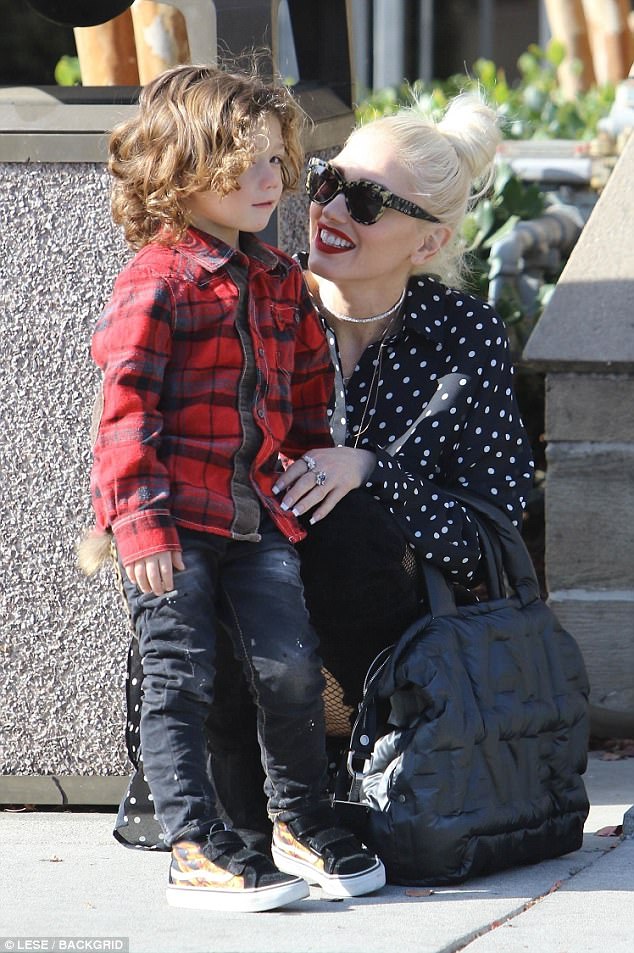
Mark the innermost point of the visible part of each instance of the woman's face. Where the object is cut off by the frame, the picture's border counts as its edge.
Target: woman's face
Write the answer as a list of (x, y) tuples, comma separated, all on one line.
[(344, 251)]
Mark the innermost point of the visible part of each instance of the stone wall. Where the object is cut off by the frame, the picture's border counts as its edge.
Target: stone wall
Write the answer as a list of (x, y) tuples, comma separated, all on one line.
[(585, 344)]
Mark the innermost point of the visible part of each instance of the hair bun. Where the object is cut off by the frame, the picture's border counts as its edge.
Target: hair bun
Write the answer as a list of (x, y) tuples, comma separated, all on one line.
[(473, 129)]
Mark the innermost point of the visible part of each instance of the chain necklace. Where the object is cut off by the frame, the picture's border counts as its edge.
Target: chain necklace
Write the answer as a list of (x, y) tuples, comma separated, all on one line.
[(375, 382), (375, 317), (376, 379)]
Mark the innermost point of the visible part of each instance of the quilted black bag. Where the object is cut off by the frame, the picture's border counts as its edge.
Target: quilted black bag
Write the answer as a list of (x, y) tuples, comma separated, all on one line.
[(482, 768)]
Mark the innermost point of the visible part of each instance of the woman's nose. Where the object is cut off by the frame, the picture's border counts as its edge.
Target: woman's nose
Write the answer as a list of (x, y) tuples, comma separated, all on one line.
[(336, 209)]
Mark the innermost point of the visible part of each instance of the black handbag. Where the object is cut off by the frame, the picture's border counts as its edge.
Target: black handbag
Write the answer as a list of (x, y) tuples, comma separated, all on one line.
[(482, 766)]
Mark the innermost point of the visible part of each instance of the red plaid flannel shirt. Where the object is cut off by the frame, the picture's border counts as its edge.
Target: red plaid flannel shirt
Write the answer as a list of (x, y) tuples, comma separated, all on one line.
[(172, 359)]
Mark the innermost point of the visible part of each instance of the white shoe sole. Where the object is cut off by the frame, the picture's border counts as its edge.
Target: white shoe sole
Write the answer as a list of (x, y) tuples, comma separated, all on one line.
[(252, 900), (346, 885)]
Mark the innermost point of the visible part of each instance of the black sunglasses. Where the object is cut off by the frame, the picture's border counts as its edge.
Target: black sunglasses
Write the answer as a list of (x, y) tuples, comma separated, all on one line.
[(365, 200)]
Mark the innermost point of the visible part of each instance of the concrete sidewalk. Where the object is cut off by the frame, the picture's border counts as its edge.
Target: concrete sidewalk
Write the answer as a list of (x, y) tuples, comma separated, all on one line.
[(63, 875)]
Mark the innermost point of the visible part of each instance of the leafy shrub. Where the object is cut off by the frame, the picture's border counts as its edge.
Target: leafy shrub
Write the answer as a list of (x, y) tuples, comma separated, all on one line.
[(67, 72), (532, 108)]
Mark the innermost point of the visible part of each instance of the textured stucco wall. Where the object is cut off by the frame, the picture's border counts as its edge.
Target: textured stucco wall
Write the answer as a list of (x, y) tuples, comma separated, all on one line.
[(63, 638)]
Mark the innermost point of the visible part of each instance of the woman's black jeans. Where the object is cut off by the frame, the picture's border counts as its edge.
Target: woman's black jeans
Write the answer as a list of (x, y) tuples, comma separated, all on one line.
[(360, 585), (254, 591)]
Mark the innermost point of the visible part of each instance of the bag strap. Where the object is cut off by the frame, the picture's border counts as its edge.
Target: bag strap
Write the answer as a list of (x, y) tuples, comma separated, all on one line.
[(440, 597), (503, 551), (515, 558), (363, 734)]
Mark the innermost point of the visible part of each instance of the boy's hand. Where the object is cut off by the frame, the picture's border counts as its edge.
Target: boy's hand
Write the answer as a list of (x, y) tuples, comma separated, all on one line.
[(156, 573)]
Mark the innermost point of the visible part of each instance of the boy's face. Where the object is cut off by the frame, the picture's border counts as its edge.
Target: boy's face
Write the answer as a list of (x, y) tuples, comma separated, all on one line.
[(249, 208)]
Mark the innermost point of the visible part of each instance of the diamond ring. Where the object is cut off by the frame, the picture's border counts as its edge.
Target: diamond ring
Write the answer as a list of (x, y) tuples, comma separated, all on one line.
[(320, 478), (310, 462)]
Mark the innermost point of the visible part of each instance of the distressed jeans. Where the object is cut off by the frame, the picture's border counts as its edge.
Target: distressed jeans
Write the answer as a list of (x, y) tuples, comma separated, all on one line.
[(255, 591)]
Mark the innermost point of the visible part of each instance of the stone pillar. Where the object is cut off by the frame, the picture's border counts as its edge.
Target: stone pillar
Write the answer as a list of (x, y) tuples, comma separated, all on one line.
[(568, 25), (585, 344)]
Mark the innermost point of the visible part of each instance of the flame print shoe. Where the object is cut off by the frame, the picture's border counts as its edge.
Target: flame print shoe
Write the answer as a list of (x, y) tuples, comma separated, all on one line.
[(221, 873), (328, 856)]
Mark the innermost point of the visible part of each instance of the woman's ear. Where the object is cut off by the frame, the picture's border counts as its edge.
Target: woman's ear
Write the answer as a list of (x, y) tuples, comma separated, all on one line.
[(431, 244)]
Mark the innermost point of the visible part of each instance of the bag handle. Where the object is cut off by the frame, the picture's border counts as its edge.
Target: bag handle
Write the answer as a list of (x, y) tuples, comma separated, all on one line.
[(363, 733), (440, 596), (515, 558)]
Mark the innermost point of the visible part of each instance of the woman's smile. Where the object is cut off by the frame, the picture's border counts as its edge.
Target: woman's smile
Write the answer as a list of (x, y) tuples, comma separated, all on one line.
[(330, 240)]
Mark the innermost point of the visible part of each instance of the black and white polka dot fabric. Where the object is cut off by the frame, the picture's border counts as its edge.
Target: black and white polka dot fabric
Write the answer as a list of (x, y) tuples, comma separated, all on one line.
[(137, 825), (442, 413)]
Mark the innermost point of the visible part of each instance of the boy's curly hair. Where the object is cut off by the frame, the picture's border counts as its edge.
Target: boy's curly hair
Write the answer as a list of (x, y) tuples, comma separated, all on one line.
[(195, 130)]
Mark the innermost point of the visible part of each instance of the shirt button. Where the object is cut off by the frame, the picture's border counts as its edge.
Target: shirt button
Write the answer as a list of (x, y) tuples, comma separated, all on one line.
[(261, 351), (260, 413)]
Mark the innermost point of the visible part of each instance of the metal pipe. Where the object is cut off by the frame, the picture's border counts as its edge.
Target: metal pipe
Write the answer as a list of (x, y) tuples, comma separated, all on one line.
[(557, 229), (389, 23), (360, 17), (571, 171), (426, 40), (485, 28)]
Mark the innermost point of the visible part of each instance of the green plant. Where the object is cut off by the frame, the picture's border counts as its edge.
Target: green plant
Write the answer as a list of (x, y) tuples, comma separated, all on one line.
[(67, 71), (509, 201), (534, 107)]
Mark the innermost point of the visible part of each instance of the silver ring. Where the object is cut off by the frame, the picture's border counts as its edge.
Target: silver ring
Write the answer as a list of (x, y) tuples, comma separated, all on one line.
[(320, 478), (310, 462)]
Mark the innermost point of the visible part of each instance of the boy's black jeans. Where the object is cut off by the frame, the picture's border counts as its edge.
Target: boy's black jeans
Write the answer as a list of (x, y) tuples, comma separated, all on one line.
[(255, 590), (362, 592)]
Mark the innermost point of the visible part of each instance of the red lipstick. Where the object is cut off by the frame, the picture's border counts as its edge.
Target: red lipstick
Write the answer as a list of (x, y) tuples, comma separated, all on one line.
[(329, 246)]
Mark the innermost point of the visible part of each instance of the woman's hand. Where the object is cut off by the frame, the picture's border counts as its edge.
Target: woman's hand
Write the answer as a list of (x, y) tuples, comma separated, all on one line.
[(156, 573), (321, 478)]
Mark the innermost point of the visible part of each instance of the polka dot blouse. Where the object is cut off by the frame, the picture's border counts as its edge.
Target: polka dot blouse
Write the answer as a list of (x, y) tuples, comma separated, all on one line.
[(440, 411)]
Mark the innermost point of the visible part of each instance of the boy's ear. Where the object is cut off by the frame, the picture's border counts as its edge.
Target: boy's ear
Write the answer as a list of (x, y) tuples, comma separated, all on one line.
[(433, 241)]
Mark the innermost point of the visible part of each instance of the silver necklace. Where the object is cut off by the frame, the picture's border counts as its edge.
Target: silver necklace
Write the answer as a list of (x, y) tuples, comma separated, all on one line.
[(376, 379), (375, 317)]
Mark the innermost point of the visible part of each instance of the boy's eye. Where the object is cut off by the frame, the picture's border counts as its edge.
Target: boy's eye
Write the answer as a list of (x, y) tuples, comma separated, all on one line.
[(277, 160)]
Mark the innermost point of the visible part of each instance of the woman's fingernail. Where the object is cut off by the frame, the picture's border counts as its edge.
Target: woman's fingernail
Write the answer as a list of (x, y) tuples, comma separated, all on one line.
[(284, 506), (276, 489)]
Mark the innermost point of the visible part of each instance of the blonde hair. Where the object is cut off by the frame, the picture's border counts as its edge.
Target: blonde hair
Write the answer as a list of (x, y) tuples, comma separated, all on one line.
[(450, 162), (195, 130)]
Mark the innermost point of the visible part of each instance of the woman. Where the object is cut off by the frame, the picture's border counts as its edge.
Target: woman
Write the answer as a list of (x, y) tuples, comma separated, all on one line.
[(423, 402)]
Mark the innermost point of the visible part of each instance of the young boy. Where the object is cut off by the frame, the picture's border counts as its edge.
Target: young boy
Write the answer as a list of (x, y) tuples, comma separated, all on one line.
[(213, 363)]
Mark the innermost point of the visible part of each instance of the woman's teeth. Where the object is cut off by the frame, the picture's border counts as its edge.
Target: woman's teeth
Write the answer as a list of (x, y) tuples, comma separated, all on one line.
[(329, 239)]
